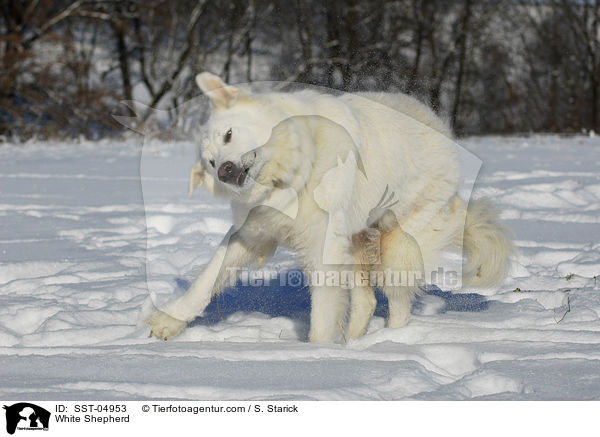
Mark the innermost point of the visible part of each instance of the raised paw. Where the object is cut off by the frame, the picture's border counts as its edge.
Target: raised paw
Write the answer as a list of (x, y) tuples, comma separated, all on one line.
[(164, 326)]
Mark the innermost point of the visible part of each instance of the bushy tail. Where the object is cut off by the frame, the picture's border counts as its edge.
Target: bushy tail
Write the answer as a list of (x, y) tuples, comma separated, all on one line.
[(486, 246)]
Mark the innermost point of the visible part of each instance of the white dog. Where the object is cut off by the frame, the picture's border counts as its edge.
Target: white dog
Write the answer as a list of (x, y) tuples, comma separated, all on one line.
[(364, 182)]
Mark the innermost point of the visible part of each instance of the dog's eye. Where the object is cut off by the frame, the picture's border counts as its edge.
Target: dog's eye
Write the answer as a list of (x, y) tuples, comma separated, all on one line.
[(212, 163), (227, 137)]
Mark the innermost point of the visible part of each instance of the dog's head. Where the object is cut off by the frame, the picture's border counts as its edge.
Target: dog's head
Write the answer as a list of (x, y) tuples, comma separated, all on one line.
[(248, 146)]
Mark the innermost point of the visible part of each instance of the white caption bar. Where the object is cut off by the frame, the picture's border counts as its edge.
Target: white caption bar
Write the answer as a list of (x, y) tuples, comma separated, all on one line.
[(175, 418)]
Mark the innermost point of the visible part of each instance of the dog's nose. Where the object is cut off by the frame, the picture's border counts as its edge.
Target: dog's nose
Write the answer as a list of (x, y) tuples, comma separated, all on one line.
[(232, 174), (225, 171)]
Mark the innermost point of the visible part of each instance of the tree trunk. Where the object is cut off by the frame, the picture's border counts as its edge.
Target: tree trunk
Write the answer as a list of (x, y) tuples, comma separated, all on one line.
[(462, 56), (119, 31), (333, 40), (249, 38), (418, 40), (305, 38)]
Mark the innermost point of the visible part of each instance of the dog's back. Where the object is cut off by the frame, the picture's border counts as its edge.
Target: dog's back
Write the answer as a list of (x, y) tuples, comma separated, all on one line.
[(439, 219), (411, 107)]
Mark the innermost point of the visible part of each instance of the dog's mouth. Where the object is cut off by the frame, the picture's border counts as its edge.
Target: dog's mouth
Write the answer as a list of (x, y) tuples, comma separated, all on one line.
[(248, 161), (242, 177)]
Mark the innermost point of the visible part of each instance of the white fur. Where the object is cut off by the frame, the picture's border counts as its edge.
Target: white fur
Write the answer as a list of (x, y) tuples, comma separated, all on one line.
[(327, 162)]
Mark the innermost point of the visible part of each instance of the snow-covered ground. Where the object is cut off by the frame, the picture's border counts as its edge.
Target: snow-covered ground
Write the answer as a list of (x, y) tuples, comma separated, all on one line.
[(73, 284)]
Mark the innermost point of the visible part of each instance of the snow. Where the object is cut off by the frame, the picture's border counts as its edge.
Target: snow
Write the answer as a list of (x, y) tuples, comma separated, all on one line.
[(87, 246)]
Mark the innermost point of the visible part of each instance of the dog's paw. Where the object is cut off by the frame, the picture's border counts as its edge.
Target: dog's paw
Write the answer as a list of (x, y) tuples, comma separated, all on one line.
[(164, 326)]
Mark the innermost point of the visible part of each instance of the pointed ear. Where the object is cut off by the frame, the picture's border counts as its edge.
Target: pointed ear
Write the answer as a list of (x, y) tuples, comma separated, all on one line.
[(221, 94), (198, 176)]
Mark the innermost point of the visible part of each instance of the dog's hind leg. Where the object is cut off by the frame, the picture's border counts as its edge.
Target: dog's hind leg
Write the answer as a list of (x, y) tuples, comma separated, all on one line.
[(400, 300), (366, 252), (402, 262), (362, 307)]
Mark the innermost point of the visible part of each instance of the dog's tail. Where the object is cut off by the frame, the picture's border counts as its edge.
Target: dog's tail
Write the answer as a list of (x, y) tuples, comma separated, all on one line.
[(486, 245)]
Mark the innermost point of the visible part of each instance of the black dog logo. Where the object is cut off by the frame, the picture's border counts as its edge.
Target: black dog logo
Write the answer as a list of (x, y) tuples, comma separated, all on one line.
[(26, 416)]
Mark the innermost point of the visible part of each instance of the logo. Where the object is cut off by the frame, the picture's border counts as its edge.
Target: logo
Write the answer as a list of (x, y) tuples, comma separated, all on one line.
[(25, 416)]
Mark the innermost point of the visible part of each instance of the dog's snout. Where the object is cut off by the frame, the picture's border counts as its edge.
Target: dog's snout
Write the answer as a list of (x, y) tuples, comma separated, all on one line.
[(226, 171), (230, 173)]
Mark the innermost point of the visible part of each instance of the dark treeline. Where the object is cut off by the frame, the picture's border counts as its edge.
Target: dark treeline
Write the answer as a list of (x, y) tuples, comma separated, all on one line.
[(486, 66)]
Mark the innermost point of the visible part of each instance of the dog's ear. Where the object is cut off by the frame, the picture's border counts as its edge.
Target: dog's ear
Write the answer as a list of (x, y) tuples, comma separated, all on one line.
[(198, 176), (221, 94)]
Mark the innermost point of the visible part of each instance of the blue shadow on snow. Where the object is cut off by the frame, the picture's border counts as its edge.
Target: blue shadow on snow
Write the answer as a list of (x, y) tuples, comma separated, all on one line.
[(293, 302)]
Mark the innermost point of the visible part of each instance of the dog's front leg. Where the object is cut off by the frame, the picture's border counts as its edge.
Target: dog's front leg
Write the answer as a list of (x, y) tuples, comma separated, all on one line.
[(328, 310), (232, 254), (329, 299)]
